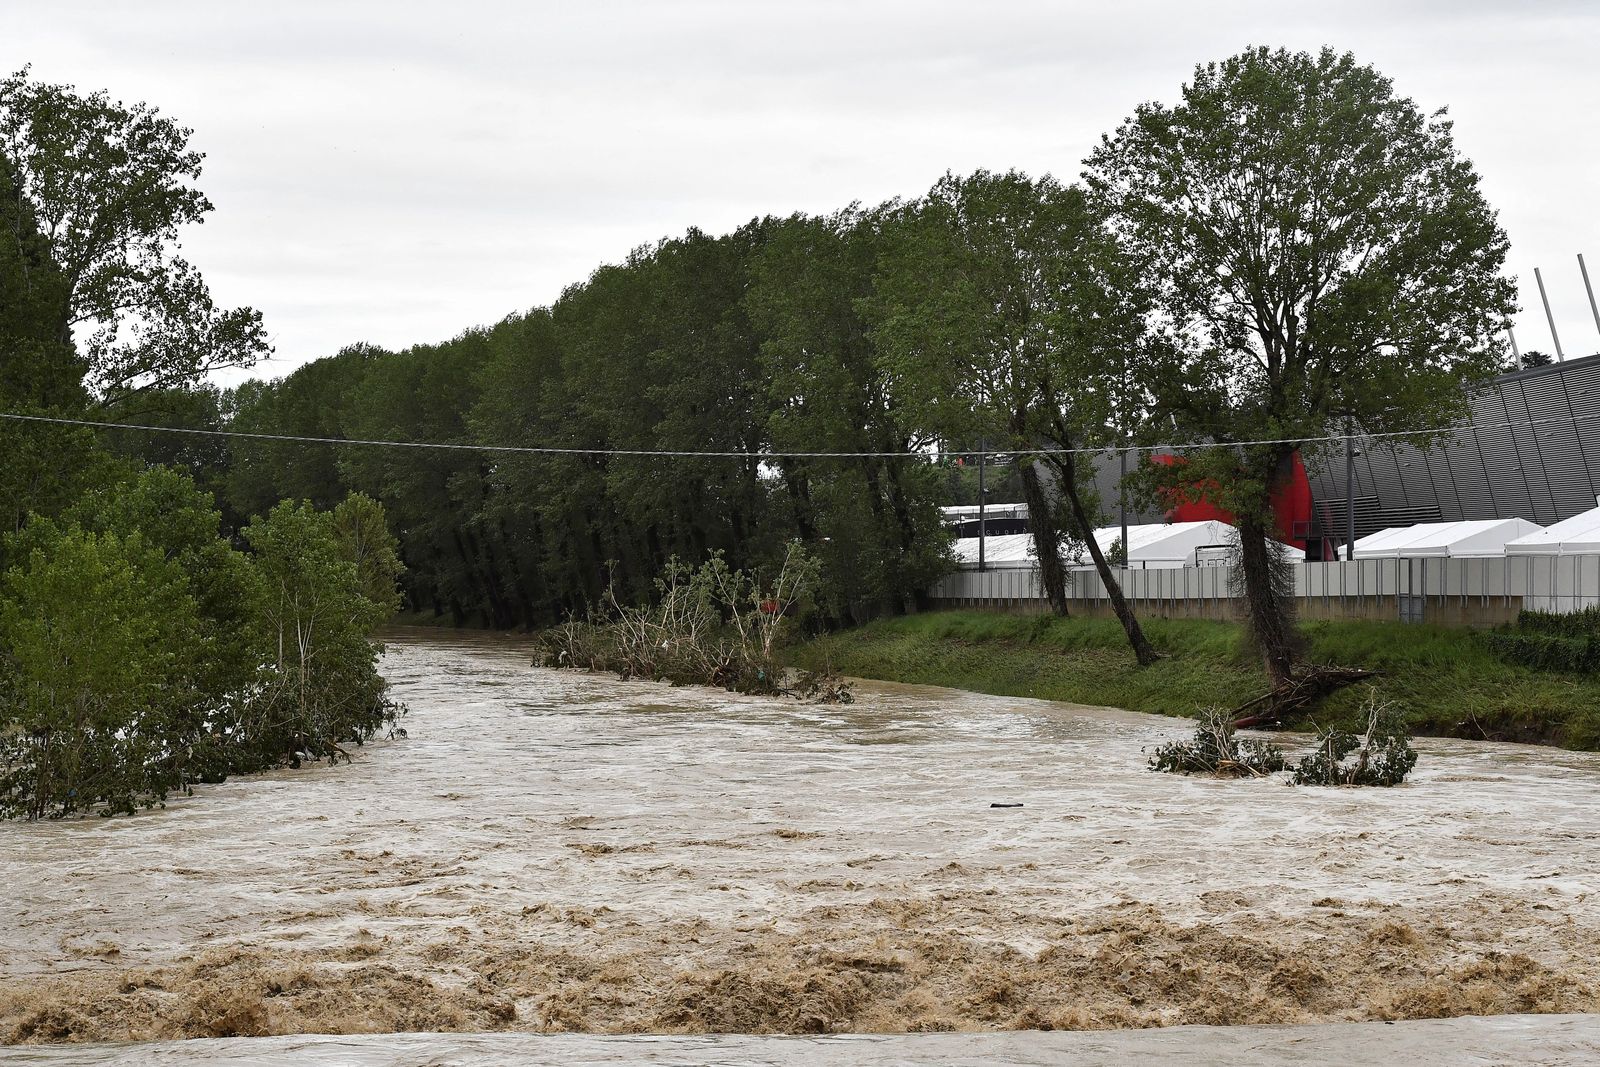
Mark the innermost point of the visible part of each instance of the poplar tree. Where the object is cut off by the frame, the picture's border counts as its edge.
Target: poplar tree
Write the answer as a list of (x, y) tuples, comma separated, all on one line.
[(1323, 262)]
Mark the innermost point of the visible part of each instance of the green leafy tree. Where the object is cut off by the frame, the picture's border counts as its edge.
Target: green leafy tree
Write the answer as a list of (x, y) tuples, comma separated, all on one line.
[(323, 687), (45, 466), (999, 314), (364, 539), (1322, 258), (109, 187), (872, 521), (98, 633)]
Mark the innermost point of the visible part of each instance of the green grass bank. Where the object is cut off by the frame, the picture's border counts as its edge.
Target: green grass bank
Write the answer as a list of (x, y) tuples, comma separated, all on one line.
[(1448, 680)]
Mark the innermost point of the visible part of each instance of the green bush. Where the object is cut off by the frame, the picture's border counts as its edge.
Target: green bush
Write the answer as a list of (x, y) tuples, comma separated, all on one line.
[(1215, 749), (1547, 651), (99, 637), (321, 687), (141, 653), (1585, 623), (1382, 756)]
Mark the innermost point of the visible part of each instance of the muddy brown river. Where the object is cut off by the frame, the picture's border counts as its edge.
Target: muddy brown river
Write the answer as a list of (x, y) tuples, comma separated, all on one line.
[(553, 851)]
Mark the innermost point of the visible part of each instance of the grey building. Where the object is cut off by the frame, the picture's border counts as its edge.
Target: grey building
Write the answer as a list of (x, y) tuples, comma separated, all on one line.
[(1530, 449)]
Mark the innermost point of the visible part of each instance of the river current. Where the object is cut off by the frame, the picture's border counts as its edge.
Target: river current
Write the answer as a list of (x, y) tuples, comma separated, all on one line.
[(553, 851)]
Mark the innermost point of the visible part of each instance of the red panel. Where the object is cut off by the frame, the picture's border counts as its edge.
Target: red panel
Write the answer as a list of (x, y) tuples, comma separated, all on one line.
[(1291, 502)]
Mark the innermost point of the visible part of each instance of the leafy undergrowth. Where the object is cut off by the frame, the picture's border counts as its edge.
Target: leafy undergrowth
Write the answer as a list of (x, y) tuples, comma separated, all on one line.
[(1448, 680)]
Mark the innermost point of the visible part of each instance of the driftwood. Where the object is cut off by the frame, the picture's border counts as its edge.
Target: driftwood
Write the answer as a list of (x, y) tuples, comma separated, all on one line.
[(1307, 686)]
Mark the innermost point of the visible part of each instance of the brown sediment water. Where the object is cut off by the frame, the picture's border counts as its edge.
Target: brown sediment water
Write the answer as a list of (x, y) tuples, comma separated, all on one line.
[(555, 851)]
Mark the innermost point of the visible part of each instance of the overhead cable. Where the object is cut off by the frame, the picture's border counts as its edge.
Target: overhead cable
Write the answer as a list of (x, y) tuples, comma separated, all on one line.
[(549, 450)]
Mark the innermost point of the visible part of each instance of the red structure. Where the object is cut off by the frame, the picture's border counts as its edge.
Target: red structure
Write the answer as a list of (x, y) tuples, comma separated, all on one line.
[(1291, 502)]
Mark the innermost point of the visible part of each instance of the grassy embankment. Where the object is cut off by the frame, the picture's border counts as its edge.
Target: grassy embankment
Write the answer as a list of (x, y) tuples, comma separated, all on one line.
[(1447, 680)]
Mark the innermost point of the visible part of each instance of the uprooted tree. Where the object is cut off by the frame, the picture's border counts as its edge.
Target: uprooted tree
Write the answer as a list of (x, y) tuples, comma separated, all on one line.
[(1325, 263), (1381, 755)]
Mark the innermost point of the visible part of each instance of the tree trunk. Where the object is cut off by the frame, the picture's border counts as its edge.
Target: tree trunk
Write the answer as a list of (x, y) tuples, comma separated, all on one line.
[(1268, 613), (1046, 542), (1067, 472)]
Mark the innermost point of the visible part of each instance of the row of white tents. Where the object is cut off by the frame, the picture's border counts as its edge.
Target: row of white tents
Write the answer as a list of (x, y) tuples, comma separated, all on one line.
[(1577, 536), (1151, 546), (1187, 544)]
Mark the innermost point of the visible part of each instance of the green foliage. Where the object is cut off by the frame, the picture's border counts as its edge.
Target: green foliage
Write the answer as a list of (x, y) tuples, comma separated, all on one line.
[(1582, 623), (706, 625), (1382, 755), (141, 653), (1320, 256), (110, 185), (99, 634), (1548, 651), (364, 539), (1217, 751), (322, 689), (1552, 641)]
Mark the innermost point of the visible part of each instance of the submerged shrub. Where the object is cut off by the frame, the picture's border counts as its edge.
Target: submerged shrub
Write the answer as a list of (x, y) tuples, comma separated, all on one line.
[(708, 625), (141, 653), (1381, 756), (1215, 749), (98, 633)]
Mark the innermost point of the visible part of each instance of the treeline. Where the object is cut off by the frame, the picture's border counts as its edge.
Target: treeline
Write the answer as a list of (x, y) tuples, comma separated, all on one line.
[(145, 645), (1289, 251), (756, 341)]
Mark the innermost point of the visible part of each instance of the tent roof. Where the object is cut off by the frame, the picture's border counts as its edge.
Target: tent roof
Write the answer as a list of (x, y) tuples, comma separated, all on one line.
[(1153, 542), (999, 550), (1579, 534), (1165, 540), (991, 511), (1475, 537)]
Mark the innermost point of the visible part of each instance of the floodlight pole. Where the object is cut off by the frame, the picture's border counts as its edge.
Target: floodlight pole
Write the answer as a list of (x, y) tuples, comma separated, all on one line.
[(983, 461), (1516, 353), (1594, 308), (1561, 356), (1122, 501), (1349, 492)]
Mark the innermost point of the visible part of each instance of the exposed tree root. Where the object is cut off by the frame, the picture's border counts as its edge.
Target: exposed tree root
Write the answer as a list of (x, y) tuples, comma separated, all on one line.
[(1308, 686)]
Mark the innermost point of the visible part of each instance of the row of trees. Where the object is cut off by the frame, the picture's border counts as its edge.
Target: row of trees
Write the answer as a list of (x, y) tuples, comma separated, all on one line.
[(1290, 250), (144, 646)]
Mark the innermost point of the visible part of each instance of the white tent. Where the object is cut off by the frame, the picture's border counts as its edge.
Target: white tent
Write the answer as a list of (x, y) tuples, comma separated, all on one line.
[(999, 550), (1478, 537), (1151, 546), (1163, 545), (1579, 535)]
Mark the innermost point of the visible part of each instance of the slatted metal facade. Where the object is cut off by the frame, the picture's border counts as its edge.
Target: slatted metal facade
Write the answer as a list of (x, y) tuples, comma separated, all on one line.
[(1530, 450)]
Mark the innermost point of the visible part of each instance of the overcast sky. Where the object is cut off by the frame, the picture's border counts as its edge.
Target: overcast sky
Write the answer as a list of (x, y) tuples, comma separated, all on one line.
[(395, 172)]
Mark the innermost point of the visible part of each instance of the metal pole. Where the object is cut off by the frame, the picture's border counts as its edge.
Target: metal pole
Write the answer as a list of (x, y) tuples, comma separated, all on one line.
[(1516, 354), (983, 461), (1593, 307), (1349, 492), (1122, 502), (1561, 357)]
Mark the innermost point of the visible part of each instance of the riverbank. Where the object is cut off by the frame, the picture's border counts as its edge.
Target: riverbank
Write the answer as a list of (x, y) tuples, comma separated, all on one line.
[(1447, 680)]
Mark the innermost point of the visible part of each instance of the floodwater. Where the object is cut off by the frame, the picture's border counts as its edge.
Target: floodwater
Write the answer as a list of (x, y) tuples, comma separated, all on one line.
[(553, 851)]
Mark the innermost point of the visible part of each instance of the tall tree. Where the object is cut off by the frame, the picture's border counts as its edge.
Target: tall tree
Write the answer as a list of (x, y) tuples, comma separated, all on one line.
[(873, 520), (999, 315), (1323, 259), (109, 187)]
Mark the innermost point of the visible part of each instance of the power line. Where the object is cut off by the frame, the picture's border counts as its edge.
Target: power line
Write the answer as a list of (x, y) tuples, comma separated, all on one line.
[(766, 455)]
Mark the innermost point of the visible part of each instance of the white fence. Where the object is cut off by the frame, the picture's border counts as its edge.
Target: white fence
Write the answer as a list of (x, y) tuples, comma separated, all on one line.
[(1467, 590)]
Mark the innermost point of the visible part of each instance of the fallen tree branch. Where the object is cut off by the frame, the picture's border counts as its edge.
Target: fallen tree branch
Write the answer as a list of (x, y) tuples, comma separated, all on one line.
[(1308, 686)]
